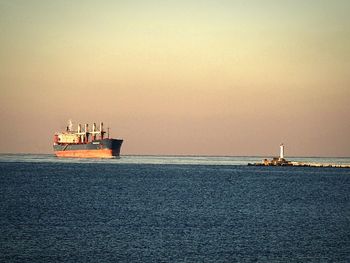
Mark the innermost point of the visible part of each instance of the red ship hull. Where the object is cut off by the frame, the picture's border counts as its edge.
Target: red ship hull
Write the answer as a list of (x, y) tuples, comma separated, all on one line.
[(105, 148), (101, 153)]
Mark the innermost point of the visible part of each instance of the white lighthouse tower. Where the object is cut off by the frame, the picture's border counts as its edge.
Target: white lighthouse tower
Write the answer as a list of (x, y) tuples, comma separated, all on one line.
[(281, 151)]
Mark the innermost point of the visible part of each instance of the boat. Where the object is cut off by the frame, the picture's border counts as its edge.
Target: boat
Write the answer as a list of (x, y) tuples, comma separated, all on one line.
[(85, 143)]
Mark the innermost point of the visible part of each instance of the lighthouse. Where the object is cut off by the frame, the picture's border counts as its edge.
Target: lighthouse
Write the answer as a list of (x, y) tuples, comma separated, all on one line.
[(281, 151)]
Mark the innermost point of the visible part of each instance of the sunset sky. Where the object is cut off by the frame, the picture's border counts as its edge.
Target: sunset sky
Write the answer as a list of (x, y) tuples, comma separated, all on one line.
[(190, 77)]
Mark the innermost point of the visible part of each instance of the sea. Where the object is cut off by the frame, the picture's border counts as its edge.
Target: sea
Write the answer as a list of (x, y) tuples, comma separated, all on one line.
[(172, 209)]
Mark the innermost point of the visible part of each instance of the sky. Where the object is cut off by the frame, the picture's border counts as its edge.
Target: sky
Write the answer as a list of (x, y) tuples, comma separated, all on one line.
[(221, 77)]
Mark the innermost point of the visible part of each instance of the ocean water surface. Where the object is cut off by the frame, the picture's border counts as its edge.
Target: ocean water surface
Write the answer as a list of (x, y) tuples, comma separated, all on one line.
[(172, 209)]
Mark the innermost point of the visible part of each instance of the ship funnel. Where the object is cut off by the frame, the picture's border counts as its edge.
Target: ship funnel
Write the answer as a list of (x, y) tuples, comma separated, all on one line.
[(86, 127), (70, 125), (79, 128)]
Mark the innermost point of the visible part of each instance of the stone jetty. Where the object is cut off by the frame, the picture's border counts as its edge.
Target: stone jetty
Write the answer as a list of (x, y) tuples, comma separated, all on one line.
[(277, 162), (281, 161)]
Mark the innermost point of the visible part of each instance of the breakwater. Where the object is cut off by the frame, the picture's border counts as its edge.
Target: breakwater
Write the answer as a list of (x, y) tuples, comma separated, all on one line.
[(283, 162)]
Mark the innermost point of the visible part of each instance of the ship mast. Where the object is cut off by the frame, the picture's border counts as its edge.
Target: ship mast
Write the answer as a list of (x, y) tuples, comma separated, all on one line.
[(84, 135), (95, 132)]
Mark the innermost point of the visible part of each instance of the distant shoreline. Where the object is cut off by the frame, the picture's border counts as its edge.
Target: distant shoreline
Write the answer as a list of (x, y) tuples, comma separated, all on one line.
[(200, 155)]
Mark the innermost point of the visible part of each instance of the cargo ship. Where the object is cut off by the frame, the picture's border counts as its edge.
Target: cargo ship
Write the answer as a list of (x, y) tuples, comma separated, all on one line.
[(85, 143)]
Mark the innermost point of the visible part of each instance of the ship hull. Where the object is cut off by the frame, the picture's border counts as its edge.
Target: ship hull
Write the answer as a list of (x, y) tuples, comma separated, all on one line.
[(106, 148)]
